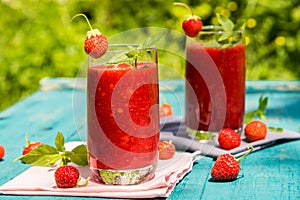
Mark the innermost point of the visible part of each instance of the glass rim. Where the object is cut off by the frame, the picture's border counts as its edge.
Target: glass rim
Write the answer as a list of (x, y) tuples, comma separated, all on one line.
[(125, 46), (216, 29)]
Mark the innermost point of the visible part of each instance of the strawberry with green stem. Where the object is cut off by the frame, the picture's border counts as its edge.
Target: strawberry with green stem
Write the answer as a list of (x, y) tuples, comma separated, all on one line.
[(227, 167), (95, 43), (192, 25)]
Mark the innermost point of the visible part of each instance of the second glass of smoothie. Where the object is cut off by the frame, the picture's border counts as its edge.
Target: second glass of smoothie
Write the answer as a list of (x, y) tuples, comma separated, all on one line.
[(215, 83)]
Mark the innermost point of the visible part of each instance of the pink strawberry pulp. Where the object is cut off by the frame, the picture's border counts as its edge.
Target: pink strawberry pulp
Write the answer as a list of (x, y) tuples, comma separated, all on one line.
[(230, 64), (123, 116)]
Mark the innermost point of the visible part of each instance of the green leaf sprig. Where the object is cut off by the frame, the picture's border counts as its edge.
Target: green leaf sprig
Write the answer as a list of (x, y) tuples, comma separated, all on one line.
[(230, 33), (46, 155), (134, 54), (259, 112)]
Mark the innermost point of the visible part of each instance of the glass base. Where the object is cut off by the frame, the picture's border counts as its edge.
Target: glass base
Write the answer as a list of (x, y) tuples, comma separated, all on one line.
[(207, 136), (202, 136), (124, 177)]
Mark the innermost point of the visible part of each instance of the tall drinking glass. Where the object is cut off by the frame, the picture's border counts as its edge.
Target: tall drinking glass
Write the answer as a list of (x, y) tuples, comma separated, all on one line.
[(215, 83), (123, 115)]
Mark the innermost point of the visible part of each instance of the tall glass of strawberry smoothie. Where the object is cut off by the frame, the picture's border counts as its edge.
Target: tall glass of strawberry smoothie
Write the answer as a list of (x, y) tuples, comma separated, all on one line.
[(215, 83), (123, 115)]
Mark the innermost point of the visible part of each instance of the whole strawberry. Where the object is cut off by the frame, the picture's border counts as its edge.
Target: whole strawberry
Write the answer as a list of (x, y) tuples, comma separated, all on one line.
[(30, 145), (66, 176), (255, 130), (166, 150), (95, 43), (226, 167), (165, 110), (2, 151), (228, 139), (192, 25)]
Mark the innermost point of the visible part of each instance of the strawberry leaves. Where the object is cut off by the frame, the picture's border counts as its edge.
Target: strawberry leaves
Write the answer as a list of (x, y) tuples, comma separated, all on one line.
[(46, 155)]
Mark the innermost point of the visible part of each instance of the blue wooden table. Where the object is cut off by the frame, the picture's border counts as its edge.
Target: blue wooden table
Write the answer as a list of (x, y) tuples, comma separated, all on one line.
[(271, 173)]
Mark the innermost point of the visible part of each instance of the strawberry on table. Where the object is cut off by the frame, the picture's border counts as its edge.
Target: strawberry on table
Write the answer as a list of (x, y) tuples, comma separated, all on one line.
[(229, 139), (192, 25), (66, 176), (255, 130), (165, 110), (227, 167), (166, 150), (30, 145), (95, 43), (2, 151)]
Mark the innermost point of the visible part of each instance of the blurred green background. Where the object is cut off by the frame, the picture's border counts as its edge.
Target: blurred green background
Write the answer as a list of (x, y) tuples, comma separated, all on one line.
[(39, 40)]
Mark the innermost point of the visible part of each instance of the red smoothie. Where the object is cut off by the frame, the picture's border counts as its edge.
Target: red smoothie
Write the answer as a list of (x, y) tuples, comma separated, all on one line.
[(123, 116), (200, 75)]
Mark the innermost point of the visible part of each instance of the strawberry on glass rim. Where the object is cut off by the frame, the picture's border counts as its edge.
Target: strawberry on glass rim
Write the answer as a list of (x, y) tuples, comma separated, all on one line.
[(95, 43), (192, 25)]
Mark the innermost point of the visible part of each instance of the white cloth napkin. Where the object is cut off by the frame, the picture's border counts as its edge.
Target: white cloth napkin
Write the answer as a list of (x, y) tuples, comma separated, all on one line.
[(40, 181)]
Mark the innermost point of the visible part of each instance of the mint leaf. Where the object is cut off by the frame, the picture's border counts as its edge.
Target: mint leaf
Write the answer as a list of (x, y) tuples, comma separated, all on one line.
[(231, 35), (79, 155), (151, 41), (134, 54), (259, 112), (225, 36), (43, 155), (46, 155), (225, 22), (239, 25), (60, 142), (263, 103)]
